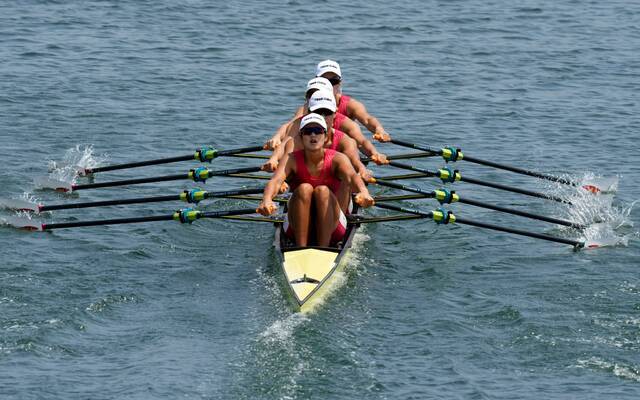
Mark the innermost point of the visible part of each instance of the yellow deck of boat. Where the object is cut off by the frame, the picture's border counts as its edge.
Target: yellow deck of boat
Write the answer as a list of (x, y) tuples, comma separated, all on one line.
[(310, 271)]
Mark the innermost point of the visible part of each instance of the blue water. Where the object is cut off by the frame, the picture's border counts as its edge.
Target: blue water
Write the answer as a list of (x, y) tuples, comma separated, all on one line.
[(161, 310)]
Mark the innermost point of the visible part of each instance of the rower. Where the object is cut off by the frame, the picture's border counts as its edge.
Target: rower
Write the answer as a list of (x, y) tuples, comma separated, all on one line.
[(313, 85), (347, 105), (315, 174), (321, 102), (341, 122)]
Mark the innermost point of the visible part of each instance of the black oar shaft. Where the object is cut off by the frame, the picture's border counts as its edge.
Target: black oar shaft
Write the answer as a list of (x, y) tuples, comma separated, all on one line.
[(574, 243), (484, 183), (135, 220), (522, 213), (141, 200), (520, 170), (115, 221), (161, 178), (493, 164), (463, 221), (480, 204), (139, 164), (167, 160), (125, 182), (514, 190), (415, 146), (106, 203)]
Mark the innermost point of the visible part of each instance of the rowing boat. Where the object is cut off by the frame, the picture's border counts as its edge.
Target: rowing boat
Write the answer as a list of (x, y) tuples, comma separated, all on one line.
[(310, 272)]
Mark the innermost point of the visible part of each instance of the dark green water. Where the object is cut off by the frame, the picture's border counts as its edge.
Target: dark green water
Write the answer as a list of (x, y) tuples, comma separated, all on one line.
[(169, 311)]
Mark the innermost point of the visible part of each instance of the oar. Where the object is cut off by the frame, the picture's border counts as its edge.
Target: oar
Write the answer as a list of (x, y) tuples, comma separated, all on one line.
[(204, 154), (444, 196), (186, 215), (455, 154), (447, 217), (447, 175), (193, 196), (200, 174)]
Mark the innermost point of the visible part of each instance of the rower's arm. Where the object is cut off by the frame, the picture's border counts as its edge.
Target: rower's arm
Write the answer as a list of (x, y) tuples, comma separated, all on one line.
[(282, 131), (360, 113), (353, 130), (278, 155), (345, 172), (267, 206), (349, 148)]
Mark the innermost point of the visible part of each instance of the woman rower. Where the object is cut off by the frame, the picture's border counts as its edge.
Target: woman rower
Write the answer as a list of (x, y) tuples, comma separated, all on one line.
[(322, 102), (347, 105), (315, 175), (341, 122)]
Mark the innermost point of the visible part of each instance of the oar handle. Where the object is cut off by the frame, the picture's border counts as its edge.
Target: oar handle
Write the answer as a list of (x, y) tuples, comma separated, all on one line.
[(416, 146)]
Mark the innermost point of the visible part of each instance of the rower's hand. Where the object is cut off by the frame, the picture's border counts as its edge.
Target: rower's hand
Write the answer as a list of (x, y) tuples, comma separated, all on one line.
[(379, 159), (266, 208), (366, 175), (381, 136), (364, 200), (270, 166), (272, 143), (284, 188)]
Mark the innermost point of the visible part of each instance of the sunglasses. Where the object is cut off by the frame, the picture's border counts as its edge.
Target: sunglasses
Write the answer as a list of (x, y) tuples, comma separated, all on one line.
[(335, 81), (316, 130), (323, 111)]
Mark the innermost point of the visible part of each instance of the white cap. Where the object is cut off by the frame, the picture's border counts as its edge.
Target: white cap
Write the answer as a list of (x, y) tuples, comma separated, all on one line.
[(318, 83), (322, 99), (313, 119), (328, 66)]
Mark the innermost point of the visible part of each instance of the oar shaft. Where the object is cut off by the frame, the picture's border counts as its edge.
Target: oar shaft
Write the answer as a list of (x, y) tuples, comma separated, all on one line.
[(520, 232), (139, 164), (167, 160), (484, 183), (493, 164), (520, 170), (125, 182), (138, 181), (116, 221), (521, 213), (141, 200), (463, 221), (514, 190), (106, 203), (153, 218), (417, 147), (465, 200)]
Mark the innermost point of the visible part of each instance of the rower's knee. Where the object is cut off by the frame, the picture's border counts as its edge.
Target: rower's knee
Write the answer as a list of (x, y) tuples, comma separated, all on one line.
[(304, 191), (321, 193)]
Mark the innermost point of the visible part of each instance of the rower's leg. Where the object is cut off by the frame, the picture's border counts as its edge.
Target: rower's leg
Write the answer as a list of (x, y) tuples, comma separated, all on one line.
[(299, 213), (327, 213), (344, 197)]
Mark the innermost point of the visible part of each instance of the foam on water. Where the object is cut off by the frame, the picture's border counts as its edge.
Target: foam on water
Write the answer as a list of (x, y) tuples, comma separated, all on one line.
[(596, 210), (621, 370)]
